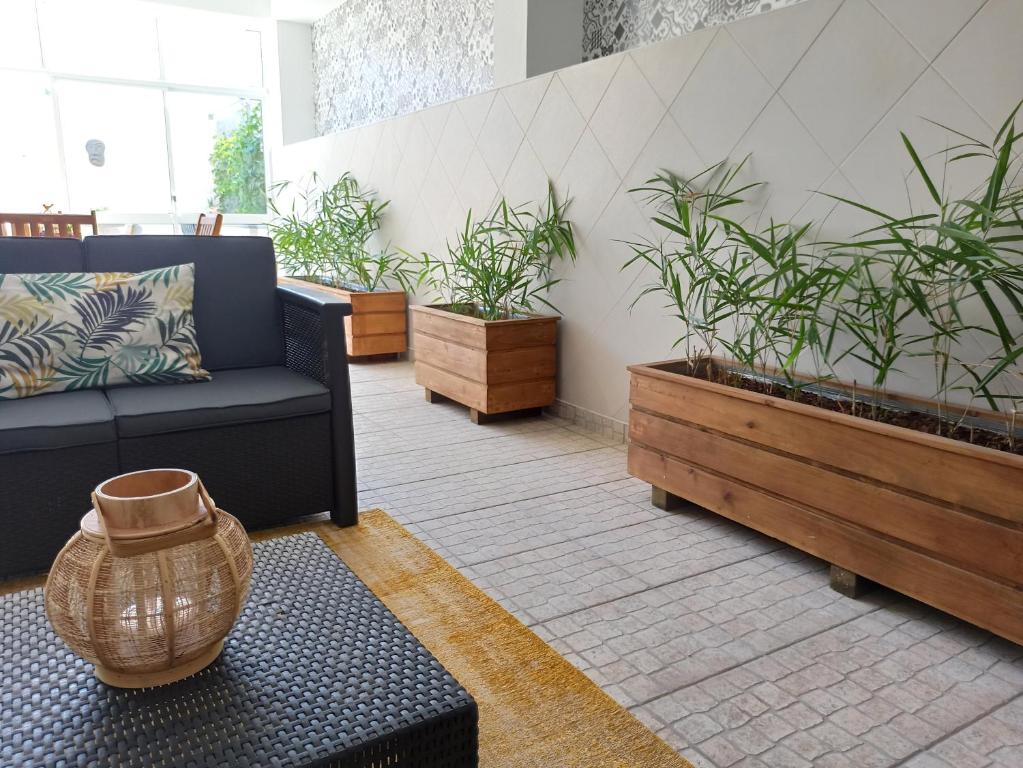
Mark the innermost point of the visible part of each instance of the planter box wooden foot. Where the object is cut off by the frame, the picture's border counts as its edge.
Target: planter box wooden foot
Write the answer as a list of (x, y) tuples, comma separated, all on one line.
[(937, 519), (378, 324), (850, 584), (390, 357), (435, 397), (666, 500), (491, 366), (478, 417)]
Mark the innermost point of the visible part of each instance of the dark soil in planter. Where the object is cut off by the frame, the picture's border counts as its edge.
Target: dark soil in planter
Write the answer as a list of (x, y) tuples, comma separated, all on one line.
[(840, 402), (471, 310), (331, 284)]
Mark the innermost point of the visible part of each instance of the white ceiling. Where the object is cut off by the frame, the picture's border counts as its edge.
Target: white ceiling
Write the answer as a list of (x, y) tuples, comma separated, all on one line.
[(306, 11)]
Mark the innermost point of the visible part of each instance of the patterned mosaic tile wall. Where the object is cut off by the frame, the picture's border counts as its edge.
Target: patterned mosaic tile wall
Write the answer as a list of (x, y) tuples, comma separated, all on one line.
[(611, 26), (373, 59)]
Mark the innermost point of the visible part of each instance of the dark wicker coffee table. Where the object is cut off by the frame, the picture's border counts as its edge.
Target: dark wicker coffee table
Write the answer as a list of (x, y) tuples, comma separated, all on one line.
[(317, 672)]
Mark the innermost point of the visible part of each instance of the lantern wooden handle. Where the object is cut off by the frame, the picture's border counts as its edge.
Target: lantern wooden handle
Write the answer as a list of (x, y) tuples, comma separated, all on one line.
[(207, 501)]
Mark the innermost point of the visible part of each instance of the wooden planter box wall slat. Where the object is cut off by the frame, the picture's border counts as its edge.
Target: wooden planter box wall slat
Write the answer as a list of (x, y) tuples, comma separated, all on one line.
[(378, 324), (492, 366), (933, 518)]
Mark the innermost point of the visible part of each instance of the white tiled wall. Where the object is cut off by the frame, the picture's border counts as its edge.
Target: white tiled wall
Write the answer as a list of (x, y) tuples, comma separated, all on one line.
[(817, 92)]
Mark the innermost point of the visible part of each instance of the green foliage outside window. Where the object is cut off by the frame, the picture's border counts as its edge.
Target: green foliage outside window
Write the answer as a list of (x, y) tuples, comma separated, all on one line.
[(239, 179)]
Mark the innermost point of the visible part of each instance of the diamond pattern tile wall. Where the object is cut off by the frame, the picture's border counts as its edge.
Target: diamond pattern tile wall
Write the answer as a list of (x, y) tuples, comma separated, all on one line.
[(817, 93)]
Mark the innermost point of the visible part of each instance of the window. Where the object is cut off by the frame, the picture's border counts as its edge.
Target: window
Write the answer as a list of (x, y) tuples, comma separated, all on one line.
[(19, 35), (129, 107), (133, 176), (214, 53), (228, 132), (31, 176)]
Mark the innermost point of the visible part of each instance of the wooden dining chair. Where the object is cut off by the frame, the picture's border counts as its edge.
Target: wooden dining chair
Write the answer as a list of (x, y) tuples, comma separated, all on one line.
[(46, 224), (209, 224)]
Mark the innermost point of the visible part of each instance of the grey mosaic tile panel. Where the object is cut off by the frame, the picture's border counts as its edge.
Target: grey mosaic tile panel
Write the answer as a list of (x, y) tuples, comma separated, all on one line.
[(612, 26), (374, 59)]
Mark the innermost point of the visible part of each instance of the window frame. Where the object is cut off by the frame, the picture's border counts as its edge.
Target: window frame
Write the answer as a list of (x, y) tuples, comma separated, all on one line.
[(177, 216)]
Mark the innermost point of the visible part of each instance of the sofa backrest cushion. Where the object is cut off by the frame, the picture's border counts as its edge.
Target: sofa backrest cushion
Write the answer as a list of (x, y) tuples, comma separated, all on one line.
[(41, 254), (238, 317)]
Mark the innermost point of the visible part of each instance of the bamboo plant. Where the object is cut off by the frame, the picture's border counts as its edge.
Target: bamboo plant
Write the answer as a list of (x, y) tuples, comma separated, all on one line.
[(326, 233), (946, 284), (503, 264)]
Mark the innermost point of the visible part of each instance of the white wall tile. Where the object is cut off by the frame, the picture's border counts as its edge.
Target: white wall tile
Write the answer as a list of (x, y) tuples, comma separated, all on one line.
[(434, 120), (722, 97), (455, 144), (667, 150), (367, 141), (525, 97), (555, 128), (985, 61), (418, 154), (776, 41), (526, 180), (840, 100), (474, 110), (881, 168), (589, 180), (387, 158), (627, 116), (500, 138), (786, 157), (668, 65), (587, 82), (476, 189), (437, 193), (928, 24)]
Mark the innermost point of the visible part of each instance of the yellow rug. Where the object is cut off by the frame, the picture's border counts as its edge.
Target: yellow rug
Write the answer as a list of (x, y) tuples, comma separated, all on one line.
[(536, 709)]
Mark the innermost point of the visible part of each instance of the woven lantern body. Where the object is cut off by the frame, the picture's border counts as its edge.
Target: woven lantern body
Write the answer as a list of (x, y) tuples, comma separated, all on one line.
[(150, 586)]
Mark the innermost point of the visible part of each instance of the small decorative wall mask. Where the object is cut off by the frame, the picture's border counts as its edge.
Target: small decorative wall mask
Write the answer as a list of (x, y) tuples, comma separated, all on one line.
[(97, 152)]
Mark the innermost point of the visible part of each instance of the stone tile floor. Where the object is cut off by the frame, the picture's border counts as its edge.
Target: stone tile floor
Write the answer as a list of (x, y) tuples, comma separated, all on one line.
[(728, 644)]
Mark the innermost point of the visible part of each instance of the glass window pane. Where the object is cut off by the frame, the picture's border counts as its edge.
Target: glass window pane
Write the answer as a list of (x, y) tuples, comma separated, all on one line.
[(101, 37), (217, 148), (30, 173), (203, 49), (127, 170), (19, 38)]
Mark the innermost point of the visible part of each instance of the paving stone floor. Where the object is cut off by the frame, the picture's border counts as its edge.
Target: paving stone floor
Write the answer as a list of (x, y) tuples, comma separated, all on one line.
[(728, 644)]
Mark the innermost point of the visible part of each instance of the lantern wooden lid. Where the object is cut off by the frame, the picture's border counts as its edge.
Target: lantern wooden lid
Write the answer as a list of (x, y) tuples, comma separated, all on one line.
[(139, 505)]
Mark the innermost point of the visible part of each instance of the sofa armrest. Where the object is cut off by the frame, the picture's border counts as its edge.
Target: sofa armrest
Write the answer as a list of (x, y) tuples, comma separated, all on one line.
[(314, 339), (314, 345)]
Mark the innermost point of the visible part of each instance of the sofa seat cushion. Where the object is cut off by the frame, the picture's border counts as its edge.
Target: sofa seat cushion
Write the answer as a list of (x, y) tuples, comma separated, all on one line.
[(231, 397), (61, 420)]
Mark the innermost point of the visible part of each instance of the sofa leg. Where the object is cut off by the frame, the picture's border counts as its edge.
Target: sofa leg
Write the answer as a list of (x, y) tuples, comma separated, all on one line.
[(850, 584), (666, 500)]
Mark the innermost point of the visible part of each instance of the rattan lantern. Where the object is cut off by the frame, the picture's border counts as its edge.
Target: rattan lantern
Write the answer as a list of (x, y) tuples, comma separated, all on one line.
[(150, 586)]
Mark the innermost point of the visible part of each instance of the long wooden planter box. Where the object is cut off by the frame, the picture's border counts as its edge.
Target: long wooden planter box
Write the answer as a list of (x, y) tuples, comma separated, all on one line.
[(934, 518), (378, 324), (492, 366)]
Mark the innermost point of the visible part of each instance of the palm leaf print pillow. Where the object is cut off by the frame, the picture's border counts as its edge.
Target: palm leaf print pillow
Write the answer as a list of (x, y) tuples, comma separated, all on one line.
[(62, 331)]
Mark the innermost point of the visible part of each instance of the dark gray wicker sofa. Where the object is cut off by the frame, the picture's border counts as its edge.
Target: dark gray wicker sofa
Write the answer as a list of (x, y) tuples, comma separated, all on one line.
[(270, 435)]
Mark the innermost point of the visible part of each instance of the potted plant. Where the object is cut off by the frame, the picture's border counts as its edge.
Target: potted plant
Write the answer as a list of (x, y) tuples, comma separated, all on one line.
[(484, 346), (922, 495), (326, 237)]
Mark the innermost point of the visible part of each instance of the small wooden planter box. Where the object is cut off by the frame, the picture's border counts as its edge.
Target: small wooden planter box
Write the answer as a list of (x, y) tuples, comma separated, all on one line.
[(378, 323), (492, 366), (934, 518)]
